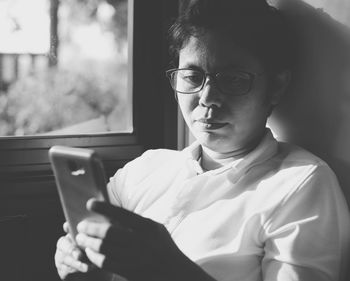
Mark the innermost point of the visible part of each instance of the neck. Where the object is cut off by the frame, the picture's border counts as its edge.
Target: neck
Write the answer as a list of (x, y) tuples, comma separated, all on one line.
[(211, 159)]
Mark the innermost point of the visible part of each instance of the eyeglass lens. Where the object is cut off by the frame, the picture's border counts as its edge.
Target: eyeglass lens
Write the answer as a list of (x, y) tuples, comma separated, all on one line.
[(191, 81)]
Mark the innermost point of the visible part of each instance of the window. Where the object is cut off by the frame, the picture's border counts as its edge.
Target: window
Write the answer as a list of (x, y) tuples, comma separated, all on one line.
[(153, 107), (64, 66), (338, 9), (28, 196)]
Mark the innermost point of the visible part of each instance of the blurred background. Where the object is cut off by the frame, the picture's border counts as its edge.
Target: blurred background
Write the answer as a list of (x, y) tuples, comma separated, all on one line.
[(63, 67)]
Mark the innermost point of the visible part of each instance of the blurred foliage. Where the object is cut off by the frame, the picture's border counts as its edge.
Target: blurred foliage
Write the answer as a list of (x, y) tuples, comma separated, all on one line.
[(87, 10), (56, 99)]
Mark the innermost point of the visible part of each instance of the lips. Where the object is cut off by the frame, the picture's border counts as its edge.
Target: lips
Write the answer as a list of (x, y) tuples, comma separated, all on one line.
[(210, 124)]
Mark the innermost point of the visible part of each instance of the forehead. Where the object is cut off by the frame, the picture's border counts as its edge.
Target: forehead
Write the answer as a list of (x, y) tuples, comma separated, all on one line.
[(214, 51)]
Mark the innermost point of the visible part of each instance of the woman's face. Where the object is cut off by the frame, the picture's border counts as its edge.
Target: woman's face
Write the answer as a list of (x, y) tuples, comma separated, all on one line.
[(223, 122)]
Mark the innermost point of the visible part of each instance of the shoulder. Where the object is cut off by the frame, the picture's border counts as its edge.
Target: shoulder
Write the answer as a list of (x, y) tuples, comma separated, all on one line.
[(305, 216), (294, 172), (291, 155), (299, 163), (302, 186), (152, 160), (138, 174)]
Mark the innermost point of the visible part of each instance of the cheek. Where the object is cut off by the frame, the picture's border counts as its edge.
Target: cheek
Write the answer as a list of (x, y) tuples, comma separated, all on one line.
[(187, 104), (259, 111), (249, 111), (257, 103)]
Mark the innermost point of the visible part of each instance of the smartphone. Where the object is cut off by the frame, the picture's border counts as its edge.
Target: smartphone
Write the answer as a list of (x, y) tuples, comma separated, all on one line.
[(79, 176)]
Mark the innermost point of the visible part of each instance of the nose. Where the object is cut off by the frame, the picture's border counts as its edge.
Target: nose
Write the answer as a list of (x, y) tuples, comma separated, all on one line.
[(210, 95)]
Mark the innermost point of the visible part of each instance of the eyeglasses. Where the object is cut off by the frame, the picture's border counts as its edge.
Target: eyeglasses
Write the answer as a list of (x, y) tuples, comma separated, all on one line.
[(190, 81)]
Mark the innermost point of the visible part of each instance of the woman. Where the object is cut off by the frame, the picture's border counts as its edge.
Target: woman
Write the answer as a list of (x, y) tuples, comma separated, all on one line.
[(236, 204)]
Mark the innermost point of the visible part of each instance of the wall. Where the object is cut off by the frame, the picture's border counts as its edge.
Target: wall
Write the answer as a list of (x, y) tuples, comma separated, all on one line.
[(316, 111)]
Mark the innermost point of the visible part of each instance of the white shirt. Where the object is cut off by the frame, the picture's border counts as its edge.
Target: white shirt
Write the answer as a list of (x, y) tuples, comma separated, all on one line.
[(275, 214)]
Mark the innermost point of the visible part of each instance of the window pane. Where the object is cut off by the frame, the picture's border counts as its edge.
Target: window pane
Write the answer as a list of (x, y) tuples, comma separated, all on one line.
[(338, 9), (64, 67)]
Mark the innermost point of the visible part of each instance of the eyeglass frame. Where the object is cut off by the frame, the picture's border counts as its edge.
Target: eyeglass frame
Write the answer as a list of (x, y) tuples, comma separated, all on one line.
[(251, 75)]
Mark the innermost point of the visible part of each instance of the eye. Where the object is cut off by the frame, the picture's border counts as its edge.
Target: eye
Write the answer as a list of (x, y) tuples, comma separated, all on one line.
[(191, 76), (233, 78), (234, 83)]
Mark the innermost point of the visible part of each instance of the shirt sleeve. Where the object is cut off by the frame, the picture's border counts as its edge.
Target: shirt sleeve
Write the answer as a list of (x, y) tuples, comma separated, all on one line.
[(120, 186), (307, 235), (112, 190)]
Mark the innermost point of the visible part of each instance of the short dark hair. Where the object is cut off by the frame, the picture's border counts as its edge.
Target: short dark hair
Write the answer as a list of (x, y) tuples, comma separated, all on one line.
[(253, 24)]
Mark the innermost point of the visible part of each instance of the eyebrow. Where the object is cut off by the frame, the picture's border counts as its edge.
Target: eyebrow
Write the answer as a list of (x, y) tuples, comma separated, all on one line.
[(233, 67), (224, 68), (192, 66)]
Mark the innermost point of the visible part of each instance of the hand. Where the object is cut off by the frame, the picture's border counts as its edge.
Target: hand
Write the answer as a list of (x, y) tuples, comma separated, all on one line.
[(129, 245), (68, 256)]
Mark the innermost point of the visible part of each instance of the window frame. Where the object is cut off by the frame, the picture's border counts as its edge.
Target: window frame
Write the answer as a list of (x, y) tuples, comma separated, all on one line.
[(154, 108)]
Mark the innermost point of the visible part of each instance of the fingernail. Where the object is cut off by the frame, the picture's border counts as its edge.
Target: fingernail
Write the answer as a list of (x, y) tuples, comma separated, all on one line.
[(81, 226), (87, 251), (84, 267), (89, 203), (78, 238)]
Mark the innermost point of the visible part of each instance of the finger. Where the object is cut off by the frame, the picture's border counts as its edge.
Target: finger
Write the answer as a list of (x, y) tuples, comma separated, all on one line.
[(95, 229), (70, 238), (66, 230), (113, 238), (61, 259), (64, 270), (77, 265), (97, 259), (122, 216), (66, 227), (86, 241), (65, 245)]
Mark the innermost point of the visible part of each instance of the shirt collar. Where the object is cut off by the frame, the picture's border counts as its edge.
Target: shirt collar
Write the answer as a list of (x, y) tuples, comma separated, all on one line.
[(266, 149)]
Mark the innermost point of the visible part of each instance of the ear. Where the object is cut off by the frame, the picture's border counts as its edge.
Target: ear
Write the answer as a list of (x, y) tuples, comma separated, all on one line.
[(278, 86)]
